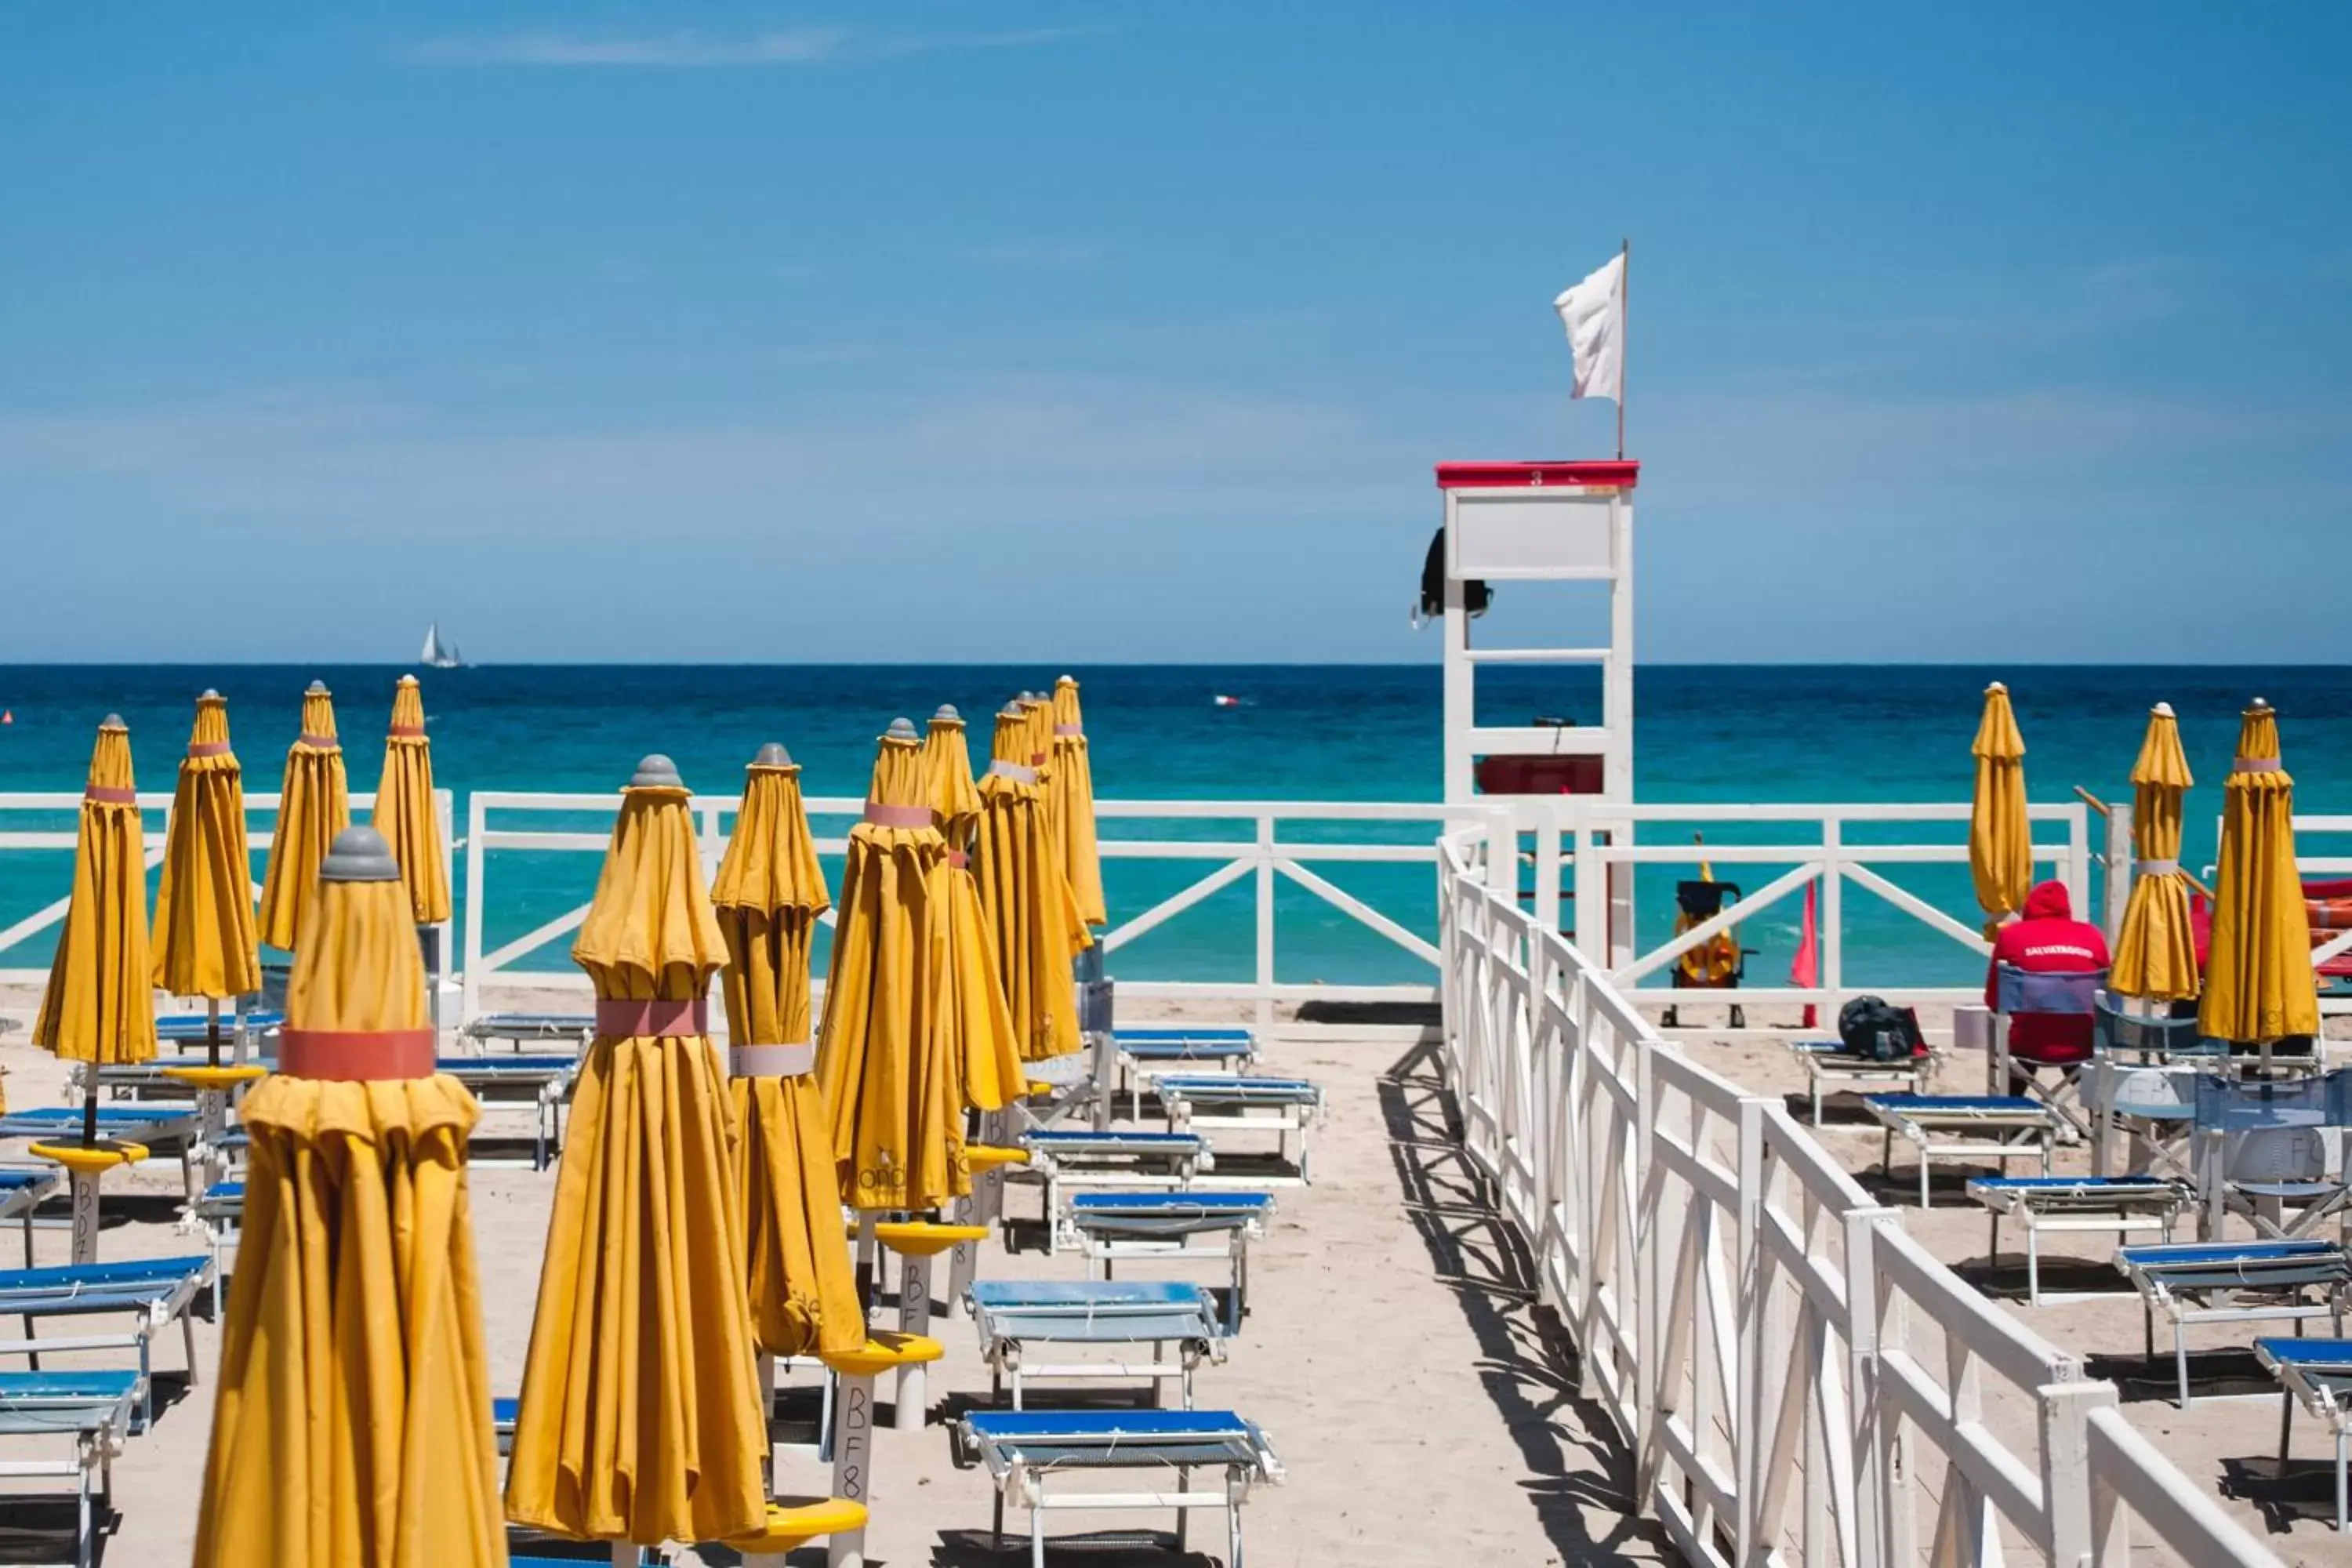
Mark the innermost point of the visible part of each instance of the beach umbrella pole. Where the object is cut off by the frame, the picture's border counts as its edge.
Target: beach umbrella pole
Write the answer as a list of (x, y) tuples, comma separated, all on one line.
[(212, 1031)]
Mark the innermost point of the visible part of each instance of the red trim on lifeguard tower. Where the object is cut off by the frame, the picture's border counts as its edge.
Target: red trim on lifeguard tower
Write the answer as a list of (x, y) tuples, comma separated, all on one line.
[(1596, 474)]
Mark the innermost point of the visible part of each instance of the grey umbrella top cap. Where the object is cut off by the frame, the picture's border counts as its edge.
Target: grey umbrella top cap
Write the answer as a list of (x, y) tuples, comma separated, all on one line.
[(1067, 680), (209, 695), (113, 721), (771, 755), (359, 855), (657, 771), (901, 729), (2262, 704), (1012, 710), (315, 689), (947, 714)]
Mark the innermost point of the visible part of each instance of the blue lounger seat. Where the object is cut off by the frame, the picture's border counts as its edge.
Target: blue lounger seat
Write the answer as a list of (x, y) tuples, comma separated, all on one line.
[(1122, 1158), (1996, 1127), (1110, 1227), (2118, 1203), (1034, 1457), (579, 1028), (1235, 1102), (2236, 1282), (1143, 1054), (155, 1292), (542, 1080), (95, 1407), (2317, 1374), (182, 1030), (1012, 1313)]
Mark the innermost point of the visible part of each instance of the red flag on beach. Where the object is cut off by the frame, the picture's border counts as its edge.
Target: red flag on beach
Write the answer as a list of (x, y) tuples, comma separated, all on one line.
[(1805, 969)]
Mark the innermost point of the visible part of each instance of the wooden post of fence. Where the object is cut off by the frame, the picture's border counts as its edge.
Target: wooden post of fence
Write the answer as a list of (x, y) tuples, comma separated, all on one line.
[(476, 817), (2121, 862), (1747, 1449), (1264, 922), (1648, 1332), (2065, 1409), (1873, 1485)]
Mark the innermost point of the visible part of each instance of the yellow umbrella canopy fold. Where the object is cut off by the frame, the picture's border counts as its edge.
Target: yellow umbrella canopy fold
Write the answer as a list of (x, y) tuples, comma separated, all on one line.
[(1074, 790), (98, 1005), (640, 1413), (353, 1424), (313, 805), (1037, 715), (1033, 919), (205, 931), (2000, 839), (770, 889), (403, 807), (947, 759), (2259, 983), (881, 1058), (2155, 951)]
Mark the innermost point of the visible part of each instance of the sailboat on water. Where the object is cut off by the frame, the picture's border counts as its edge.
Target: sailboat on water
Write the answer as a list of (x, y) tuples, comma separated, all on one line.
[(439, 655)]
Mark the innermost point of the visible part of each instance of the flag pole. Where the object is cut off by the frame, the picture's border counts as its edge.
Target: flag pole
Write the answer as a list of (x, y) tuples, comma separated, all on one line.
[(1624, 320)]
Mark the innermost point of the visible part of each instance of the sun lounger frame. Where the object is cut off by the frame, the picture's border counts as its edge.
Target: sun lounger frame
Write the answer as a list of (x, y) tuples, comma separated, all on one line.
[(1160, 1160), (1144, 1054), (538, 1028), (1241, 1103), (2121, 1204), (98, 1408), (1011, 1315), (2197, 1282), (1827, 1061), (2010, 1127), (1107, 1237)]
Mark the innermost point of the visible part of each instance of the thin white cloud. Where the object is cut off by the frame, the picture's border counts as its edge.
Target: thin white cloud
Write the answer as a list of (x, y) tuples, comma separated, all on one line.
[(701, 51)]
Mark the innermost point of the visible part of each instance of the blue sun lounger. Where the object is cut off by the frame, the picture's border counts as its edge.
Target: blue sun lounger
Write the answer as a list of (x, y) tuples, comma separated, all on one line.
[(1112, 1227), (185, 1031), (575, 1029), (1012, 1314), (542, 1082), (2236, 1282), (155, 1292), (1143, 1054), (1066, 1159), (96, 1407), (1232, 1102), (1996, 1127), (2117, 1204), (1830, 1062), (22, 1192), (218, 1216), (1032, 1455), (2317, 1374), (172, 1127)]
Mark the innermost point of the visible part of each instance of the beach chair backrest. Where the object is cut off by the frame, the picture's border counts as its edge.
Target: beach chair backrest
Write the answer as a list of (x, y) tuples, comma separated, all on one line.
[(2233, 1104), (2152, 1093), (2277, 1154), (2069, 993), (2112, 1029)]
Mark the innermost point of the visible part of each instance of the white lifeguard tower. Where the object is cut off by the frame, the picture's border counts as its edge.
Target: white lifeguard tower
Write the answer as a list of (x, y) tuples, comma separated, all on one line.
[(1540, 522)]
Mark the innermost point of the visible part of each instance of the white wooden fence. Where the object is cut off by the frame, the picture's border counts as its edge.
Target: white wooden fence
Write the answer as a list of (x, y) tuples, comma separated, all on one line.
[(1797, 1378)]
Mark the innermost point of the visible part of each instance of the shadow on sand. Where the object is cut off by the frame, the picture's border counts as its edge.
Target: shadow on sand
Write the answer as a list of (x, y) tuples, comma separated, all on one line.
[(1576, 1469)]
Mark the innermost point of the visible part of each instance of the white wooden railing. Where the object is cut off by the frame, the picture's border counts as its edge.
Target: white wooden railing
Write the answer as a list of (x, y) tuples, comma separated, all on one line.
[(514, 821), (1797, 1378), (47, 821)]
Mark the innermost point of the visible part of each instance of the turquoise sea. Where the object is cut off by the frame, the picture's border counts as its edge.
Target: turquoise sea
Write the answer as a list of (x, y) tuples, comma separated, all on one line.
[(1723, 733)]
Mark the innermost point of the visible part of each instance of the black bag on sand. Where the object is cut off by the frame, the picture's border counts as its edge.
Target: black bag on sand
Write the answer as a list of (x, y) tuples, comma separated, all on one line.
[(1875, 1029)]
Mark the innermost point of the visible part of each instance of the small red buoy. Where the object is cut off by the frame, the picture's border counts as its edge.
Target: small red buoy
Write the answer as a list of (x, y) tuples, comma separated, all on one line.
[(6, 717)]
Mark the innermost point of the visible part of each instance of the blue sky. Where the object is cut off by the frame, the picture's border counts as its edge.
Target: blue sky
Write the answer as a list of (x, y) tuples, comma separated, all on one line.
[(1107, 331)]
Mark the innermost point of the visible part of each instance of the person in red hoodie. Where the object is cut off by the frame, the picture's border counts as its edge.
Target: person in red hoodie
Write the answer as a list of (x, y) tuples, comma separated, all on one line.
[(2047, 939)]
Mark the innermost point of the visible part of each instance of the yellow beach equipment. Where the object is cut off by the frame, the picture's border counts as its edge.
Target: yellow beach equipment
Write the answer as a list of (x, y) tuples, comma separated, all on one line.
[(982, 1043), (313, 805), (98, 1008), (2000, 839), (2259, 983), (770, 891), (204, 932), (353, 1424), (405, 814), (2155, 951), (640, 1415), (1032, 917), (881, 1057), (1074, 803)]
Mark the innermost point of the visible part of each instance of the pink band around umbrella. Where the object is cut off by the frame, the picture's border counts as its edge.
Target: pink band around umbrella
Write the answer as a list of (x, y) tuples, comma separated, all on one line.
[(111, 795), (208, 748), (355, 1056), (321, 742), (647, 1018), (882, 815), (770, 1061), (2257, 765), (1013, 771), (1069, 728), (406, 732), (1038, 759), (959, 859), (2159, 867)]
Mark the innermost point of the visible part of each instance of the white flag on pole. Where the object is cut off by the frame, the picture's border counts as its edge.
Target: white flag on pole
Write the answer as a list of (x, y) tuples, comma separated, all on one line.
[(1594, 314)]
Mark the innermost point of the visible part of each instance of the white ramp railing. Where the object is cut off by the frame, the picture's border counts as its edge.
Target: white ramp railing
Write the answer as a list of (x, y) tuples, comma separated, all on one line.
[(1797, 1378)]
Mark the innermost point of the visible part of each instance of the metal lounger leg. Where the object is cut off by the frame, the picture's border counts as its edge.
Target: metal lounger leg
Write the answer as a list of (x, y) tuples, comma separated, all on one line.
[(2032, 1264), (85, 1526), (1183, 1484), (2287, 1420), (1038, 1532), (2342, 1460), (2180, 1358)]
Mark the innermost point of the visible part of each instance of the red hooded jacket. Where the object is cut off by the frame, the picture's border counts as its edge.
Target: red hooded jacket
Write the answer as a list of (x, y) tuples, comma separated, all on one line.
[(2048, 940)]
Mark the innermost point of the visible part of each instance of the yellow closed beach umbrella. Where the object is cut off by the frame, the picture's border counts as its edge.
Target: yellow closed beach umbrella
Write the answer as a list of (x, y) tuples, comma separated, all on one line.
[(205, 933), (353, 1424), (313, 805), (1037, 712), (640, 1415), (2156, 952), (2000, 839), (983, 1044), (2259, 983), (1073, 795), (403, 807), (881, 1056), (1033, 919), (770, 891), (100, 1006)]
